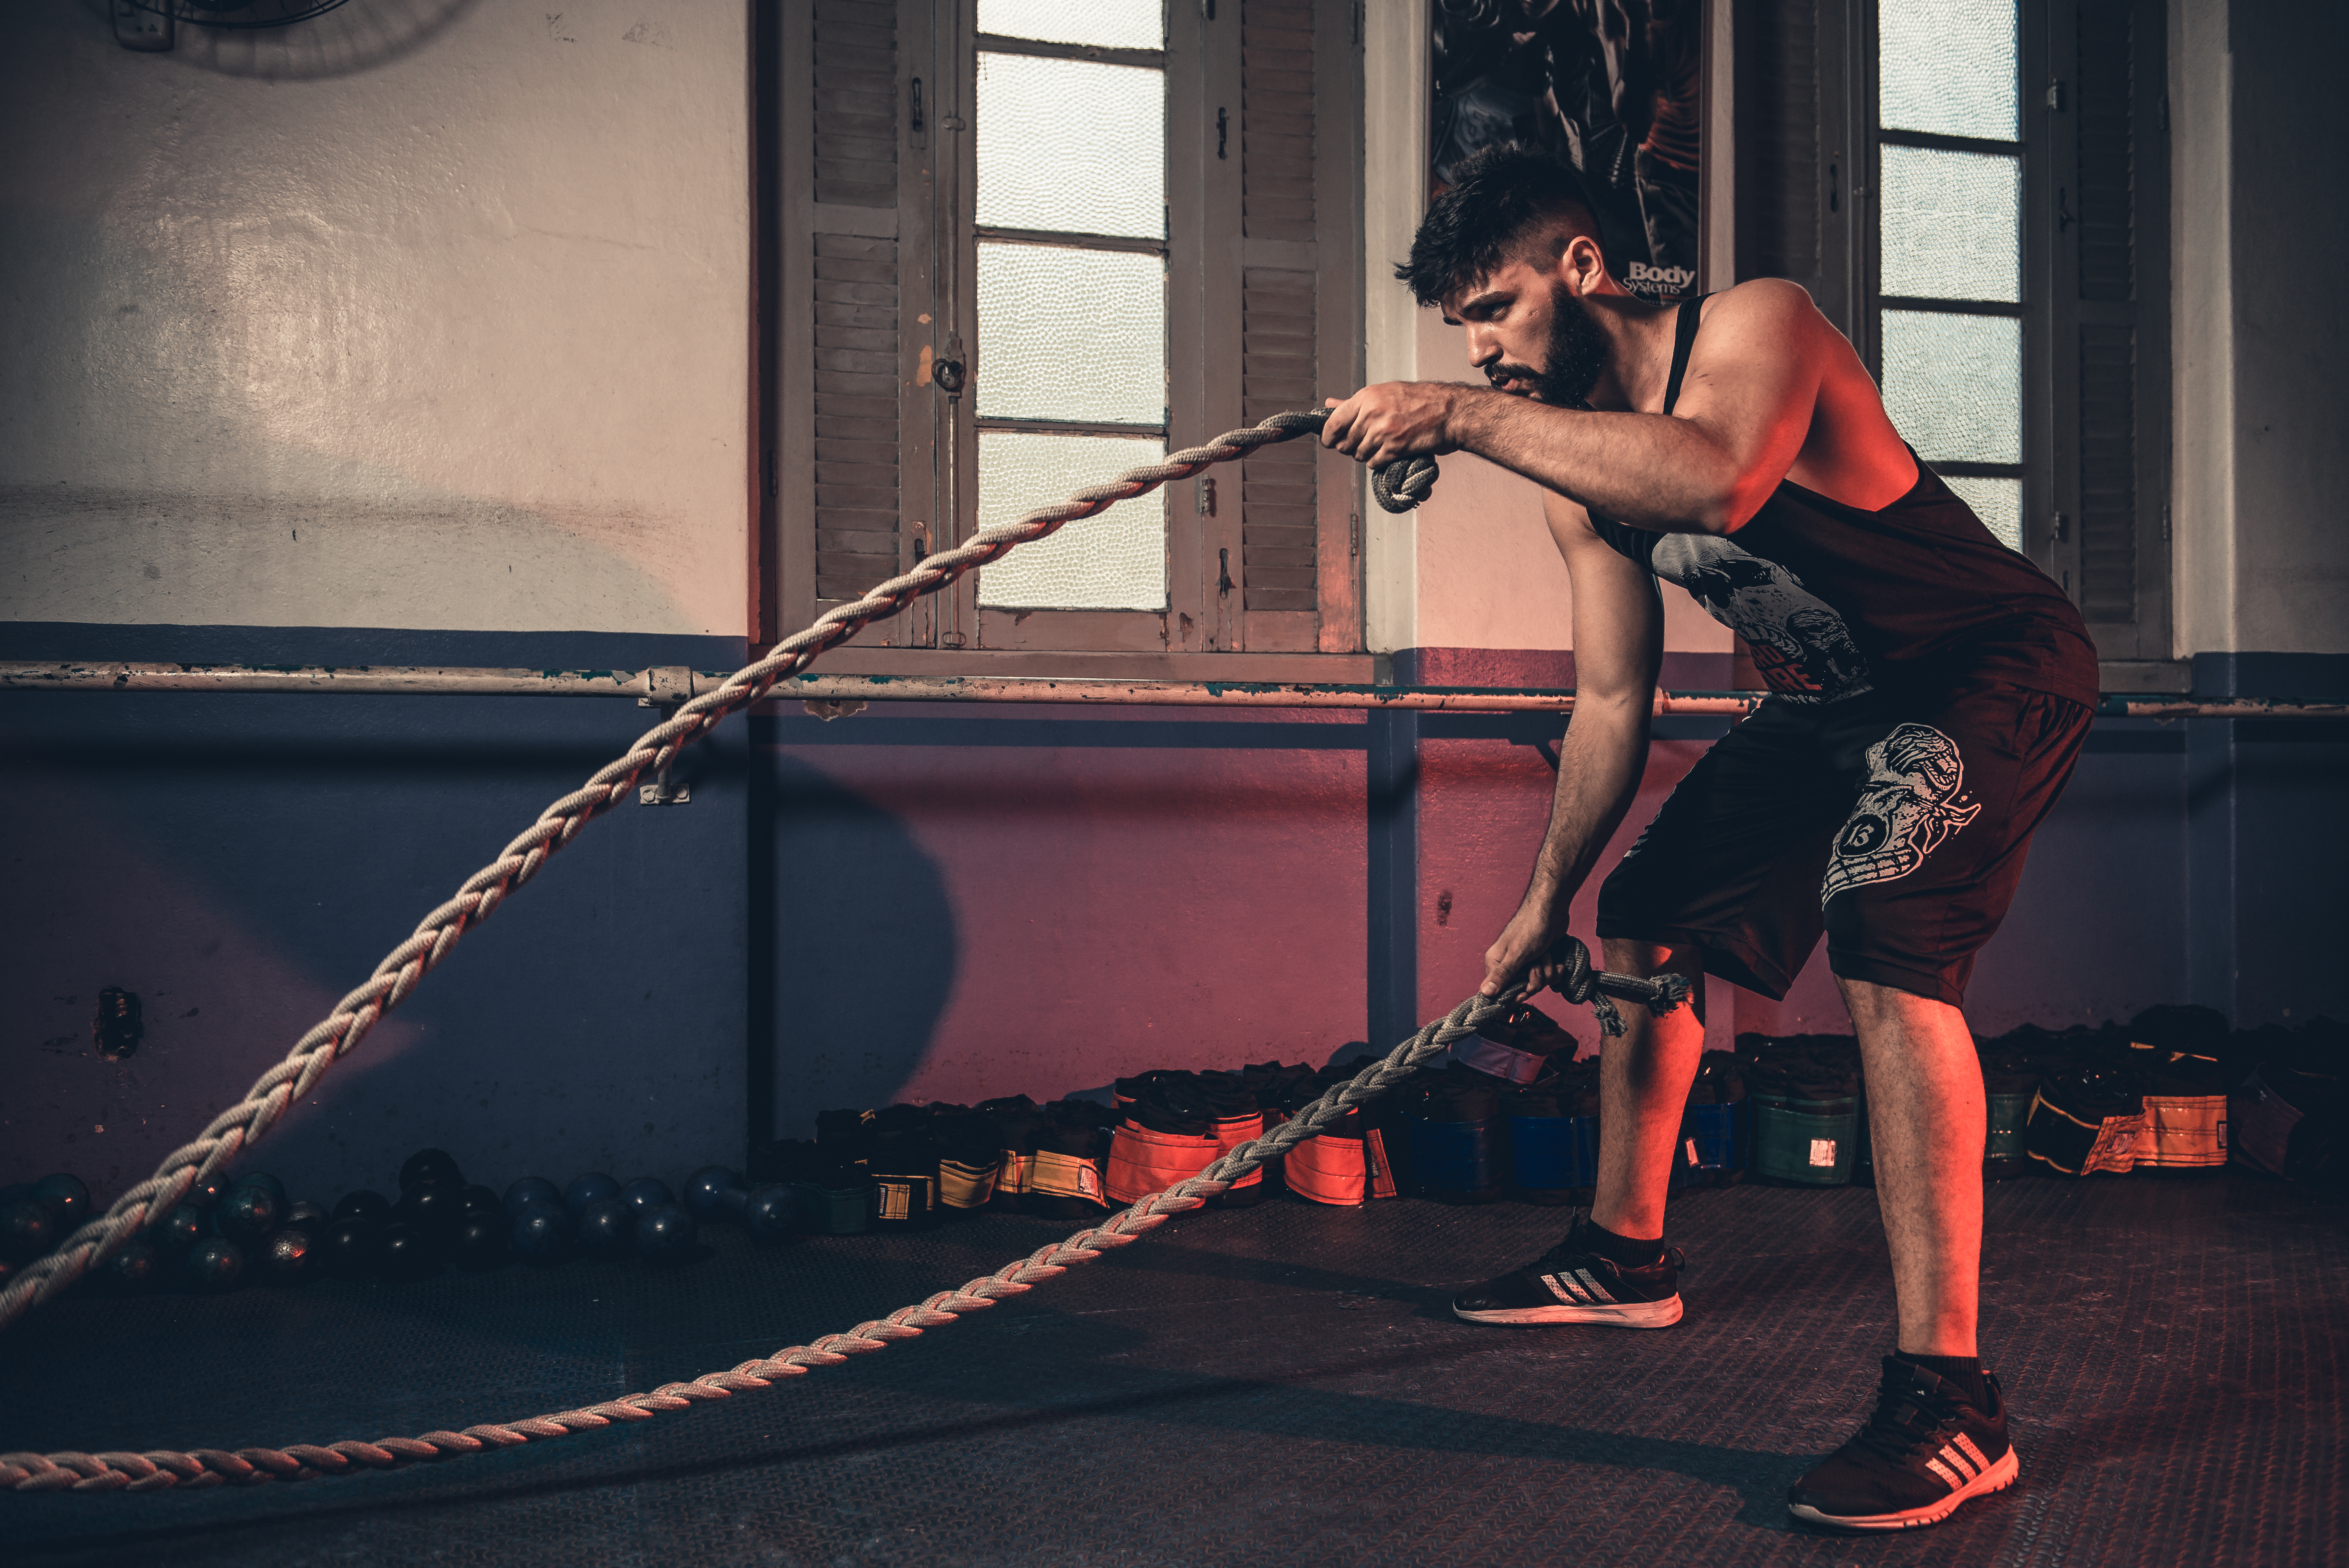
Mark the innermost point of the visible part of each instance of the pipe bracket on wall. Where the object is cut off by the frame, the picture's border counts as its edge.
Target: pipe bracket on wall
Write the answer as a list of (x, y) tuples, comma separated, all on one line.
[(668, 688)]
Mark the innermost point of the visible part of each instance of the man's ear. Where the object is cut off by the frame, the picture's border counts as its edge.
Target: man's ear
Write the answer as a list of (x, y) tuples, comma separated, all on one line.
[(1583, 265)]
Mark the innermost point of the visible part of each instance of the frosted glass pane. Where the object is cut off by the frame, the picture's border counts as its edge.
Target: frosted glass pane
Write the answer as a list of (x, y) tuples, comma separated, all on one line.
[(1953, 385), (1114, 561), (1952, 224), (1109, 24), (1072, 335), (1947, 66), (1071, 145), (1998, 503)]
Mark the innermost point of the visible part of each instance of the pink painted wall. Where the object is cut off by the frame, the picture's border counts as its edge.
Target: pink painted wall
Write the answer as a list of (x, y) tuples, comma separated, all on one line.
[(1085, 909), (1488, 574), (1484, 805)]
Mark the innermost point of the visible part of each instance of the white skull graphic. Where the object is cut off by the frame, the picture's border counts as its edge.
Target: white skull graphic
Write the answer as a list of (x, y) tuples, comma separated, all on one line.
[(1911, 802)]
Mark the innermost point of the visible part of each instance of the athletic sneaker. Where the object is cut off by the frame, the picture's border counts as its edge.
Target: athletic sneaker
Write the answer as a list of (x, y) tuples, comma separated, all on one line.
[(1570, 1284), (1925, 1450)]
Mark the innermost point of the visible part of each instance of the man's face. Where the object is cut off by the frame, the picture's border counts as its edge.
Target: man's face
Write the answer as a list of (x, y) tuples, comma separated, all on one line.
[(1531, 336)]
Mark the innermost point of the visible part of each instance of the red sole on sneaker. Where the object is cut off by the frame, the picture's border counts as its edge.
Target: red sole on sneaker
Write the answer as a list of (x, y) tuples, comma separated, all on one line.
[(1998, 1478), (1633, 1314)]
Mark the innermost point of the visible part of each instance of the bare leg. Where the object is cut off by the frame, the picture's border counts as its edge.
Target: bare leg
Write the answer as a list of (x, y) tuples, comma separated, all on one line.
[(1927, 1121), (1643, 1082)]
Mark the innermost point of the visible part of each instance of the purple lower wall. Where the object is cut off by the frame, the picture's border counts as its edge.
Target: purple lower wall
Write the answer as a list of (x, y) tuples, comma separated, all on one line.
[(948, 902)]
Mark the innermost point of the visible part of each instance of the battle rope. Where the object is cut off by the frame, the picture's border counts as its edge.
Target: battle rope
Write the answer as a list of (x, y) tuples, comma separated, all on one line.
[(1398, 487), (158, 1468)]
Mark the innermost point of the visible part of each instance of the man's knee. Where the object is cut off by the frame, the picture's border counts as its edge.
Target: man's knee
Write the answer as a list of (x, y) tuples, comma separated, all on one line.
[(1637, 955)]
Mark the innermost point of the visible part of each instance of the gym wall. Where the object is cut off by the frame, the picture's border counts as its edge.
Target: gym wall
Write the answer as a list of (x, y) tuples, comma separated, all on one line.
[(470, 295), (417, 334)]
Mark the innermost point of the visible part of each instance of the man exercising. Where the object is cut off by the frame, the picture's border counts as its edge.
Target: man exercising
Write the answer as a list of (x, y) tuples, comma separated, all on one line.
[(1930, 691)]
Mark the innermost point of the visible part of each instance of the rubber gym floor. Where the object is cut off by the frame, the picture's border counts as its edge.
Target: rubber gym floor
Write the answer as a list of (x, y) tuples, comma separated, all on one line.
[(1279, 1385)]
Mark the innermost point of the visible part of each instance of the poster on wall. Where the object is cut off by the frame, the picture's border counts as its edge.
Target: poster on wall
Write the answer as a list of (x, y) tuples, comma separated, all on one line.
[(1613, 87)]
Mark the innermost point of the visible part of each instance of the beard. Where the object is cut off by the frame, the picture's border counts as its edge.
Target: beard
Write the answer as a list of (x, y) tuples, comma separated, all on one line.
[(1576, 360)]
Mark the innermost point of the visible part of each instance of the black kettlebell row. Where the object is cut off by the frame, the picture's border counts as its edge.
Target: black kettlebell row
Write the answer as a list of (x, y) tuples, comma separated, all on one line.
[(224, 1233)]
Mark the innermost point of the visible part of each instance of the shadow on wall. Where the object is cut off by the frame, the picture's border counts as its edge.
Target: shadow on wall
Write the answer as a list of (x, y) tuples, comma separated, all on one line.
[(864, 943), (240, 861), (342, 43)]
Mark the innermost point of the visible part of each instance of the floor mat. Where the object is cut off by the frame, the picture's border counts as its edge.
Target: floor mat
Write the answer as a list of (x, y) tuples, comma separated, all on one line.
[(1278, 1385)]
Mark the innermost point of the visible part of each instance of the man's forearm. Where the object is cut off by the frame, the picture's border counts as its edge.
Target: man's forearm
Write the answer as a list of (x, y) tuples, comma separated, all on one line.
[(1599, 769), (1649, 470)]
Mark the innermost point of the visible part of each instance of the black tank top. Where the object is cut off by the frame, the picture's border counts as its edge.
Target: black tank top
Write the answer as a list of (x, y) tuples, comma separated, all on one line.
[(1836, 602)]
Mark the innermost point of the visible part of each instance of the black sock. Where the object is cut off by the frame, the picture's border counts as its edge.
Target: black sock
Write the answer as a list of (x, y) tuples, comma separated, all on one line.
[(1964, 1371), (1621, 1251)]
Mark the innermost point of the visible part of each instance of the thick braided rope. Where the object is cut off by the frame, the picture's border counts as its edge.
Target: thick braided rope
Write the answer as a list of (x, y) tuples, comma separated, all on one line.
[(158, 1468), (1399, 487)]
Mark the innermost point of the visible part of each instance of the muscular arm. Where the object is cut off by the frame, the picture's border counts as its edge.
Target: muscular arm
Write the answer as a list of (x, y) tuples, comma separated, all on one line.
[(1618, 626), (1746, 409)]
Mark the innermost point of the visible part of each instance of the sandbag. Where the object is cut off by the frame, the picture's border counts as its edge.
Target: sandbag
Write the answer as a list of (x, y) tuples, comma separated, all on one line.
[(1459, 1140), (1165, 1133), (1803, 1107), (1553, 1135)]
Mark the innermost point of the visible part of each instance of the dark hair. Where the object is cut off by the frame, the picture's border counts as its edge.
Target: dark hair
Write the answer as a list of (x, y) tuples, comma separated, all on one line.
[(1495, 196)]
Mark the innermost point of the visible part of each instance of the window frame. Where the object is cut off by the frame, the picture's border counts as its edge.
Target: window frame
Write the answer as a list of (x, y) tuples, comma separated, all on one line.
[(2135, 650), (1207, 259)]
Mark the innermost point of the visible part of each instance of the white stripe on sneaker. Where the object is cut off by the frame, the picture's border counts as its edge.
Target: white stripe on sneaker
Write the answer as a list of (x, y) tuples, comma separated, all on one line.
[(1597, 1290), (1971, 1452), (1957, 1461), (1939, 1468)]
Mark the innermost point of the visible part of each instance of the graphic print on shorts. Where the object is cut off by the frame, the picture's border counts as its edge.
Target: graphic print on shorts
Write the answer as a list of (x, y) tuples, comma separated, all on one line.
[(1914, 799), (1802, 648)]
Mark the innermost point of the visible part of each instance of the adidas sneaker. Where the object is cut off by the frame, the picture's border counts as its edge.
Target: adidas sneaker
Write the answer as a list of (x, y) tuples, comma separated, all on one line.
[(1570, 1284), (1926, 1450)]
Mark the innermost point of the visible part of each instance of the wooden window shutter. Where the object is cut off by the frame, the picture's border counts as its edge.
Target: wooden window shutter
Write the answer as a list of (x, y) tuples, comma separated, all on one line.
[(2110, 331), (1792, 175), (1298, 302), (854, 428)]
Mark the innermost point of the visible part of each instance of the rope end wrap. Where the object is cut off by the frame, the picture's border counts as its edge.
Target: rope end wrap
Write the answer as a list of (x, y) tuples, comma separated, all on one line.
[(1398, 487)]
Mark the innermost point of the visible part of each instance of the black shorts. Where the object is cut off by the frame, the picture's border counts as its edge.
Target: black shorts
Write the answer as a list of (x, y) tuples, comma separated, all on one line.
[(1895, 824)]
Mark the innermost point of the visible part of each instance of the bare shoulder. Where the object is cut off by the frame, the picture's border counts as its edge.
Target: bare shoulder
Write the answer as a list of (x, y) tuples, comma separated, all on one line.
[(1773, 308)]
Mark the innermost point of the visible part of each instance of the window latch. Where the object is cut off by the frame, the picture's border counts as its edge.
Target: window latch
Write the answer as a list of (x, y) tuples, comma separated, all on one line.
[(1223, 130), (1223, 572), (946, 370), (1206, 498), (918, 103), (2062, 528), (2055, 95)]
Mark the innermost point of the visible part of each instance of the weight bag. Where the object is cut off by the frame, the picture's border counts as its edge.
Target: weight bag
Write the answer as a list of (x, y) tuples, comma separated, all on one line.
[(1713, 1131), (1064, 1178), (1344, 1167), (1554, 1135), (1237, 1119), (2185, 1105), (903, 1158), (1018, 1121), (2011, 1080), (1459, 1144), (1809, 1142), (1275, 1087), (1802, 1097), (2288, 1123), (971, 1157), (1165, 1133), (1518, 1048), (835, 1193), (2090, 1116)]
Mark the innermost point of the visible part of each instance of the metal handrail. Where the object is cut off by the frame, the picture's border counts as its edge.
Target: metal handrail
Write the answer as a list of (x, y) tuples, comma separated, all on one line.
[(670, 684)]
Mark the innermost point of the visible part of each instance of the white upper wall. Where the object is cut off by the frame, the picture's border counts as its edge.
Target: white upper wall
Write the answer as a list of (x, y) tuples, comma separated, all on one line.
[(427, 315)]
